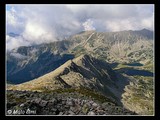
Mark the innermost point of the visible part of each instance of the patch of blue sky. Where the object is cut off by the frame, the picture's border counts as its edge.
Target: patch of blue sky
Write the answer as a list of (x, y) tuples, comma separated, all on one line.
[(8, 7)]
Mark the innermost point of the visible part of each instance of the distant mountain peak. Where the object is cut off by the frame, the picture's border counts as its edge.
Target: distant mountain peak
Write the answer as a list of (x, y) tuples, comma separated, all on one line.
[(144, 29), (87, 32)]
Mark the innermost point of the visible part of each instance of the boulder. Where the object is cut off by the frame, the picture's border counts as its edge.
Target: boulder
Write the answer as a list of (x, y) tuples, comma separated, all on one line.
[(71, 112), (91, 113), (43, 103)]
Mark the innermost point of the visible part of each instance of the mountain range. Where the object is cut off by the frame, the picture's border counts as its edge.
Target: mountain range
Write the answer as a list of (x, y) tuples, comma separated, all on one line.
[(112, 47), (116, 64)]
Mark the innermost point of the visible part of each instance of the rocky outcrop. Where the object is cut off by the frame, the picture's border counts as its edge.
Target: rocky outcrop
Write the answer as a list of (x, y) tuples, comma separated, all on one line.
[(35, 103)]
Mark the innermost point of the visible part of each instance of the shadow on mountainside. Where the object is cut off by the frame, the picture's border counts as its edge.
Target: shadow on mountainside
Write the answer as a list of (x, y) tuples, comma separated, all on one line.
[(132, 71), (43, 65)]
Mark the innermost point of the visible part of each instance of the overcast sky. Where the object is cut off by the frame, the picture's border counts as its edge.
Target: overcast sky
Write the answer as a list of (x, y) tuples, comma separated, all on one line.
[(46, 23)]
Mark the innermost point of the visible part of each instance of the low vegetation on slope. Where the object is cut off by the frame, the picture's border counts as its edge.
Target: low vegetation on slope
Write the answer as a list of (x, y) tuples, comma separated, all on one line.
[(139, 96)]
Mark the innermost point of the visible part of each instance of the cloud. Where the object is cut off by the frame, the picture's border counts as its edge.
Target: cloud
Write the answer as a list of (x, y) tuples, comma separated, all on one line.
[(13, 22), (148, 22), (11, 18), (88, 25), (118, 25), (33, 51), (46, 23), (37, 33), (17, 55), (14, 42), (122, 17)]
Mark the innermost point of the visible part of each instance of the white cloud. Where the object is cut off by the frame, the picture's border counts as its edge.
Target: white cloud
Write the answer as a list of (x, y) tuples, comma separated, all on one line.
[(14, 42), (13, 21), (118, 25), (148, 22), (37, 33), (33, 51), (11, 18), (17, 55), (46, 23), (88, 25)]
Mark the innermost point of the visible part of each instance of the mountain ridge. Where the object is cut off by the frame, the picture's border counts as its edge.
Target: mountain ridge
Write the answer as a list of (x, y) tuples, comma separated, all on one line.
[(83, 71)]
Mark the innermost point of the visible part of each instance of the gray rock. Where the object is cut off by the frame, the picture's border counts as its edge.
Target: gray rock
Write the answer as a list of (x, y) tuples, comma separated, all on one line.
[(59, 99), (45, 112), (66, 113), (31, 95), (77, 112), (67, 106), (76, 101), (91, 102), (70, 102), (79, 101), (43, 103), (105, 114), (54, 101), (91, 108), (82, 103), (38, 100), (54, 109), (21, 105), (53, 113), (50, 104), (80, 113), (64, 102), (101, 112), (71, 113), (58, 106), (88, 104), (106, 109), (94, 104), (72, 108), (60, 113), (50, 113), (47, 97), (91, 113)]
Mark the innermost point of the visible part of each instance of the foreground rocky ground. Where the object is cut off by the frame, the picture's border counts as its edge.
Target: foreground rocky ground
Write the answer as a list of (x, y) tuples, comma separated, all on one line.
[(60, 103)]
